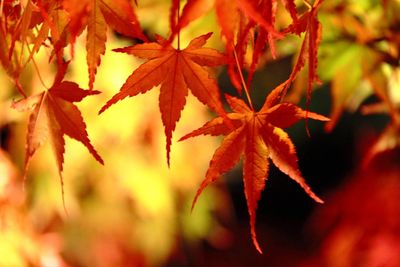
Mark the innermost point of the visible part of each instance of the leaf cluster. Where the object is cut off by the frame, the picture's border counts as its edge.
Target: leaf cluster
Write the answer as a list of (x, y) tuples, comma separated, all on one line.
[(249, 31)]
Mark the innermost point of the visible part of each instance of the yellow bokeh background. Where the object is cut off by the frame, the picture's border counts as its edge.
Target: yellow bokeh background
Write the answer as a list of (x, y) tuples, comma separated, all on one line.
[(134, 209)]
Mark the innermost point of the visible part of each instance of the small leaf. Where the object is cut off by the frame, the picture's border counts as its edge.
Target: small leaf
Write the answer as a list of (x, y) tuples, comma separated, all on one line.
[(309, 24), (96, 15), (255, 15)]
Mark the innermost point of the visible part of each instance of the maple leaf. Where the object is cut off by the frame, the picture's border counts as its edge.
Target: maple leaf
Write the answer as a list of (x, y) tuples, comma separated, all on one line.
[(22, 27), (309, 24), (177, 71), (229, 20), (248, 7), (11, 9), (55, 21), (53, 116), (258, 136), (238, 19), (263, 37), (9, 65), (96, 15), (9, 58)]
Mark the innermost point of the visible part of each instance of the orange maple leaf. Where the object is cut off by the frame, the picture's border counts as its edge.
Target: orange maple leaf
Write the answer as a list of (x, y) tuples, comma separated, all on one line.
[(53, 116), (237, 19), (309, 24), (177, 71), (257, 136), (96, 14), (55, 21)]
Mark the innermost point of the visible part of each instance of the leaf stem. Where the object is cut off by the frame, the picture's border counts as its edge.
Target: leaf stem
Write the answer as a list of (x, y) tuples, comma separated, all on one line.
[(307, 4), (177, 23), (36, 68), (19, 87), (21, 56), (1, 8), (246, 90)]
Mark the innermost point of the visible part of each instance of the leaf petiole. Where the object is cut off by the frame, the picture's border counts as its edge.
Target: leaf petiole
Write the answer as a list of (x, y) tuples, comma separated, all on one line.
[(36, 67), (307, 4), (246, 90), (1, 8), (177, 23)]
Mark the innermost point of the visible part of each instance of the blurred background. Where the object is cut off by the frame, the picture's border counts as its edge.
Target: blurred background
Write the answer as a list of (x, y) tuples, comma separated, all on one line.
[(135, 211)]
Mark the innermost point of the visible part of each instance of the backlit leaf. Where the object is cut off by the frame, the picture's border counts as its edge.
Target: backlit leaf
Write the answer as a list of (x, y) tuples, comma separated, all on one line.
[(53, 116), (176, 71), (257, 136), (96, 15)]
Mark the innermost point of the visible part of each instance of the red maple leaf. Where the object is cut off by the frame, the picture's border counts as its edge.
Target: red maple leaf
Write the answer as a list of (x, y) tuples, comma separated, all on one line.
[(96, 15), (237, 20), (228, 20), (9, 63), (241, 21), (309, 24), (56, 22), (258, 136), (177, 71), (53, 116)]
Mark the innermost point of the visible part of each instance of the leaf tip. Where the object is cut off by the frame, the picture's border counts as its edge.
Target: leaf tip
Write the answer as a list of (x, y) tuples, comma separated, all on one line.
[(100, 160), (95, 154), (94, 92), (194, 201), (317, 199), (104, 108), (208, 35), (313, 196), (198, 193), (254, 239), (119, 50), (63, 193)]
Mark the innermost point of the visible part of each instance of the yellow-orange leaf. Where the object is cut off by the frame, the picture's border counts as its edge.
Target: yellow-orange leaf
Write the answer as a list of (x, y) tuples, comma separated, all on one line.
[(53, 116), (96, 15), (177, 71)]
